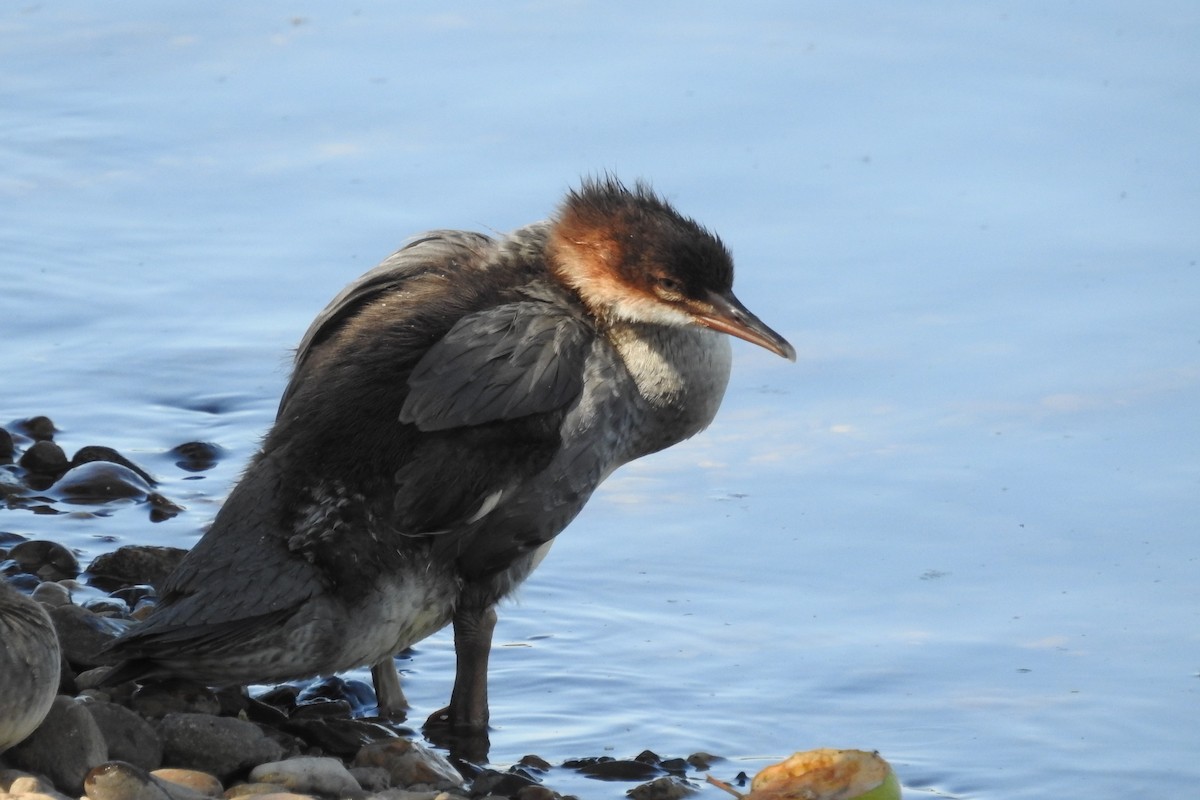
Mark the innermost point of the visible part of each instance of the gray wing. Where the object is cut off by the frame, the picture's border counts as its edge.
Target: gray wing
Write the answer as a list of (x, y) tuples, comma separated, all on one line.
[(499, 364), (420, 256)]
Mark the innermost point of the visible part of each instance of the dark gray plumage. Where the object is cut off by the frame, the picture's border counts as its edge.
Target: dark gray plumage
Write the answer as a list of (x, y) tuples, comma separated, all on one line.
[(449, 413)]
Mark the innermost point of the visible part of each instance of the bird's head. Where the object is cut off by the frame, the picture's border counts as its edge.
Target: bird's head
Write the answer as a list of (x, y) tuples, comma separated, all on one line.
[(633, 257)]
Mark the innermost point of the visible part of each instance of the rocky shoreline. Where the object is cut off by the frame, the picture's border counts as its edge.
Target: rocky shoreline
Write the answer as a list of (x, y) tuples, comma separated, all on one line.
[(174, 740)]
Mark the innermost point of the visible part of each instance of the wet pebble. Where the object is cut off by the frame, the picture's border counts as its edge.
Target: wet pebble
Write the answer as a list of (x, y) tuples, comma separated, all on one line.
[(504, 784), (197, 456), (28, 787), (134, 565), (64, 748), (99, 482), (49, 561), (702, 761), (668, 787), (537, 792), (535, 762), (308, 774), (201, 783), (608, 769), (222, 746), (45, 459), (372, 779), (107, 606), (84, 635), (339, 736), (97, 453), (39, 428), (118, 780), (127, 736), (52, 593), (156, 699)]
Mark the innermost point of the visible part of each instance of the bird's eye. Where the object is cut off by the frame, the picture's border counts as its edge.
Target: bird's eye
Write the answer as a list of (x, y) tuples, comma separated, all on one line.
[(669, 285)]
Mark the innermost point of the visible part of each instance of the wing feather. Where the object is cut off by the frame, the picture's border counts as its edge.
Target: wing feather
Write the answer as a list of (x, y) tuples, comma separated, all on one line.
[(499, 364)]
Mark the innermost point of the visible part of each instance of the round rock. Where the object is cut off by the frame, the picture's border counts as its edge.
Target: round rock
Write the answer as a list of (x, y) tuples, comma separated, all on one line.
[(197, 456), (83, 635), (127, 736), (39, 428), (134, 565), (220, 745), (44, 458), (99, 482), (315, 775), (193, 780), (64, 748), (117, 780), (50, 561)]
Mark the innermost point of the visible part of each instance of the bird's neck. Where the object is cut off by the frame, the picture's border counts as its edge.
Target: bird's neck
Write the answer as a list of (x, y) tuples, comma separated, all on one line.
[(680, 374)]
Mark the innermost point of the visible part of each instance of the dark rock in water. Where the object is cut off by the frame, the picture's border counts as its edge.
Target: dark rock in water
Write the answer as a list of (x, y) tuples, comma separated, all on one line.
[(612, 770), (537, 792), (221, 745), (94, 452), (503, 784), (258, 711), (339, 737), (233, 700), (158, 698), (12, 488), (127, 736), (40, 429), (283, 697), (675, 766), (52, 593), (322, 709), (99, 482), (50, 561), (44, 458), (66, 745), (161, 508), (6, 447), (356, 694), (535, 762), (134, 565), (702, 761), (84, 635), (119, 780), (106, 607), (666, 788), (197, 456), (132, 595)]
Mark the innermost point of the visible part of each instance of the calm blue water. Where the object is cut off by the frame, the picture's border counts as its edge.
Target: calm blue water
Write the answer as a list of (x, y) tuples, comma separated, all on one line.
[(962, 530)]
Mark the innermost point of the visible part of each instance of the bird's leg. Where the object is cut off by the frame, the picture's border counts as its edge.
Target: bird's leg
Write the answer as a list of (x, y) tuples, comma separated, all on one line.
[(468, 709), (388, 694)]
